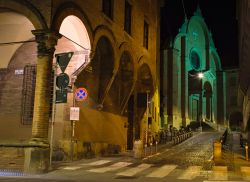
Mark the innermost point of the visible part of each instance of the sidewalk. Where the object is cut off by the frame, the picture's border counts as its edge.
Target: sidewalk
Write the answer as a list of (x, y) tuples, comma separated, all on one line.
[(238, 151), (233, 155)]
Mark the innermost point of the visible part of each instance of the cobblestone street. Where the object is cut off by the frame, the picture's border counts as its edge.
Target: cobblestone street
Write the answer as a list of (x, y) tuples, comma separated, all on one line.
[(198, 150)]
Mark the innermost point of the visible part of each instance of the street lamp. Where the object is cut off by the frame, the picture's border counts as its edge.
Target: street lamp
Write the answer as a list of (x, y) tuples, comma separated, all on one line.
[(200, 75)]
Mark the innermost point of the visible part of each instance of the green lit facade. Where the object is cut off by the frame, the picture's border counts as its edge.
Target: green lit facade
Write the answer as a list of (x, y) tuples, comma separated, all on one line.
[(185, 96)]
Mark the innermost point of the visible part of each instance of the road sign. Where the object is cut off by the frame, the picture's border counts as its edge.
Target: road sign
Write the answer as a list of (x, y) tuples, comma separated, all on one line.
[(61, 96), (63, 59), (74, 113), (81, 94), (62, 80)]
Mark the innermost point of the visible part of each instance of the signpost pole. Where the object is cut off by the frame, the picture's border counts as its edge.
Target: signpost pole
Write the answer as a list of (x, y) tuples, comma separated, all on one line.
[(73, 79), (146, 139), (53, 114)]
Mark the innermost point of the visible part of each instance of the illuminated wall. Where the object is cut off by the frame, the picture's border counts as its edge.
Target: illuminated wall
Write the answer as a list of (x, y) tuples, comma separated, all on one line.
[(187, 97)]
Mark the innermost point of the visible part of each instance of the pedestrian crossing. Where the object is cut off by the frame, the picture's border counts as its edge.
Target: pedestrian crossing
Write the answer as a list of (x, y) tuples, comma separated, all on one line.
[(113, 167), (130, 169), (162, 171)]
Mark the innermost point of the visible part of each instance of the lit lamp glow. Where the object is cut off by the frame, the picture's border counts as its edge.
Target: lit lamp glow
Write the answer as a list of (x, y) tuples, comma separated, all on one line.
[(200, 75)]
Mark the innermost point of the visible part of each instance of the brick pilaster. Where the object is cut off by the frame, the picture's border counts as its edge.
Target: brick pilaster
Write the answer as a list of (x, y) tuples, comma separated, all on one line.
[(46, 41)]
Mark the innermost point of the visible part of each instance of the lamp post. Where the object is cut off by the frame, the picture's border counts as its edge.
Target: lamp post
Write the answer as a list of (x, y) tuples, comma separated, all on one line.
[(200, 76)]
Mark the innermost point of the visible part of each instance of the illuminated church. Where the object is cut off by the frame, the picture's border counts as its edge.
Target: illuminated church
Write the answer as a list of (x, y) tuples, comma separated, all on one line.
[(193, 82)]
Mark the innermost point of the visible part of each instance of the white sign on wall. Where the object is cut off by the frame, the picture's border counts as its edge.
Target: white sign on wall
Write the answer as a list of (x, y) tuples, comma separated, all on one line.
[(74, 113), (19, 72)]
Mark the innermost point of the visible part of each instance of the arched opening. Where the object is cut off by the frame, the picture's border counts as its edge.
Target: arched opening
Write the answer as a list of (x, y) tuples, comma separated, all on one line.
[(17, 75), (122, 85), (75, 38), (208, 97), (145, 90), (98, 73), (194, 92)]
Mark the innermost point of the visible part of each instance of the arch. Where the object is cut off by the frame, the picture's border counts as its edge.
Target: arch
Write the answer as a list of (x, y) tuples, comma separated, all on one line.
[(68, 9), (104, 31), (208, 97), (98, 79), (14, 27), (27, 9), (127, 74), (75, 39), (127, 47), (145, 79)]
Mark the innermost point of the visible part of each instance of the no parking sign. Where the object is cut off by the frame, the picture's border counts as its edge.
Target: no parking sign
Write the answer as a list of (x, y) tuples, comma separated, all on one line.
[(81, 94)]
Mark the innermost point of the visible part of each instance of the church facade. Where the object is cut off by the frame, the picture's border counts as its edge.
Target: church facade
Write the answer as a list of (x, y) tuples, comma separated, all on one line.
[(193, 80)]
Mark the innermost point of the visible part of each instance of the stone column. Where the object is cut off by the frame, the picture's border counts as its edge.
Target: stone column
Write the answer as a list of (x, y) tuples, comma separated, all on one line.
[(184, 93), (37, 155)]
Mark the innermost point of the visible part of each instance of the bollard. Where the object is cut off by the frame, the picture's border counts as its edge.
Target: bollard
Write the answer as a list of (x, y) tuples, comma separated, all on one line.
[(156, 147), (246, 147), (151, 148), (145, 150)]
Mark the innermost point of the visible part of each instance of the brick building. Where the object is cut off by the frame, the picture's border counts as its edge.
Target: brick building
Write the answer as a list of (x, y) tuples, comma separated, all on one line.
[(115, 57)]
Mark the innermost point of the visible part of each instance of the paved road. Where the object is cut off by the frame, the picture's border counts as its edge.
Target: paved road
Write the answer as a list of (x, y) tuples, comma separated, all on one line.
[(188, 161), (197, 150)]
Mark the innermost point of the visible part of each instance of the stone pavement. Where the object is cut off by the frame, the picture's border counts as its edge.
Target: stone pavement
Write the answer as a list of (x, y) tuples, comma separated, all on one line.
[(238, 152)]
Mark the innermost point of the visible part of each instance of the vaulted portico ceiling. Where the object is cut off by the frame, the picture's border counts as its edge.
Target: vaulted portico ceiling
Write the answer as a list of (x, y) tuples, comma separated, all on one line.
[(14, 27)]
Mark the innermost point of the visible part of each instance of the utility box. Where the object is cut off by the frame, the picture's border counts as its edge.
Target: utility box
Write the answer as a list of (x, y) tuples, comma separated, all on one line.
[(138, 149)]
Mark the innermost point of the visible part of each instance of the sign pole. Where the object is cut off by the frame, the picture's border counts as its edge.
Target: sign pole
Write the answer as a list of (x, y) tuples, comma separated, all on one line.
[(73, 79), (53, 115), (147, 119)]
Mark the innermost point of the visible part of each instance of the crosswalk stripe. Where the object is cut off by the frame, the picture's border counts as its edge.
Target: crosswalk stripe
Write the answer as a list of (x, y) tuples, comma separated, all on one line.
[(219, 173), (191, 173), (113, 167), (71, 167), (245, 172), (162, 171), (133, 171), (96, 163)]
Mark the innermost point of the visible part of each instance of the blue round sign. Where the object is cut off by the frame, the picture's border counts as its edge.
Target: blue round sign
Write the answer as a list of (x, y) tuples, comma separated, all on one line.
[(81, 94)]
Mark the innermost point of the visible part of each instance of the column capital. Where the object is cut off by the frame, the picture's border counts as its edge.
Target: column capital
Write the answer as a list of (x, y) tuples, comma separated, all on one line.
[(46, 41)]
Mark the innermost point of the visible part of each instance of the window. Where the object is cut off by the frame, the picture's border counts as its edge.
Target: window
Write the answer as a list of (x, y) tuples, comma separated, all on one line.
[(195, 60), (145, 35), (107, 8), (127, 21), (29, 82)]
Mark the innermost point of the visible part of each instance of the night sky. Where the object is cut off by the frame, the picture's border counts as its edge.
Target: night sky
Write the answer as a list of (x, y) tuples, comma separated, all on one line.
[(220, 17)]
